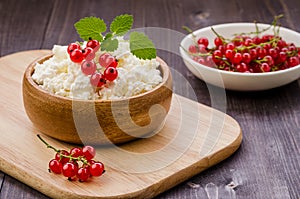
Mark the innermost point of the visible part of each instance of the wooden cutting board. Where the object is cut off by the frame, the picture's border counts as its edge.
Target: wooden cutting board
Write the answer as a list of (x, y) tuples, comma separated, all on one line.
[(194, 138)]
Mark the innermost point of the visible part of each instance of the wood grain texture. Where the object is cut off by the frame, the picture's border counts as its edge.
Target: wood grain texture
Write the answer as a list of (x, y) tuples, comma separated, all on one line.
[(266, 164), (141, 169)]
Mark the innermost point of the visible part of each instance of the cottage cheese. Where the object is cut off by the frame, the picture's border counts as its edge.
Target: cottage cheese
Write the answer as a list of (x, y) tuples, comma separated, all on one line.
[(60, 76)]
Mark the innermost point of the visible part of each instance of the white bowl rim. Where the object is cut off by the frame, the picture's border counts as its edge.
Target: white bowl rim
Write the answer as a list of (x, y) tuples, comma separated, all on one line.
[(188, 58)]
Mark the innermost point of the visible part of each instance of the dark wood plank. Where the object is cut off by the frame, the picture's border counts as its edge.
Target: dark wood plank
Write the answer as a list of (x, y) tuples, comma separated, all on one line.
[(266, 165), (1, 179), (23, 24), (12, 188)]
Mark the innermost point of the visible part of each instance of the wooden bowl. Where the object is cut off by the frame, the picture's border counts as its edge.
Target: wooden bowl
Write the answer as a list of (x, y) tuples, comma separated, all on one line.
[(97, 121)]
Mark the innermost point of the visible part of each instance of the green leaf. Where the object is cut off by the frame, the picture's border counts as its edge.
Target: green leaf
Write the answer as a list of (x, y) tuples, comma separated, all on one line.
[(109, 44), (90, 27), (141, 46), (108, 35), (121, 24)]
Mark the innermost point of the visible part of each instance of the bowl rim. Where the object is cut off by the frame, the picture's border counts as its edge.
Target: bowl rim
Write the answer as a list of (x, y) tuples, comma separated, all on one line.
[(226, 25), (164, 68)]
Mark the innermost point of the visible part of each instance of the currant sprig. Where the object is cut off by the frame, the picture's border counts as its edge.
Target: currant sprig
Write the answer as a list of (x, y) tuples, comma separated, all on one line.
[(88, 65), (78, 162), (245, 52)]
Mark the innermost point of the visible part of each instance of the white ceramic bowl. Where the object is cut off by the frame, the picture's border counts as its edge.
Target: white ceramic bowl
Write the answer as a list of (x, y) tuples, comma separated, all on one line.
[(235, 80)]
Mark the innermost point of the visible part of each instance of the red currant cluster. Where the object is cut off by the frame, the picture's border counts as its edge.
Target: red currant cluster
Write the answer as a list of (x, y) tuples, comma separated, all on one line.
[(89, 67), (76, 163), (77, 54), (110, 73), (246, 54)]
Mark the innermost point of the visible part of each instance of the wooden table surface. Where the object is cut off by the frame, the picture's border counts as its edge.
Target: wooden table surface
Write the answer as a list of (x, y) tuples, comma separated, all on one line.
[(267, 163)]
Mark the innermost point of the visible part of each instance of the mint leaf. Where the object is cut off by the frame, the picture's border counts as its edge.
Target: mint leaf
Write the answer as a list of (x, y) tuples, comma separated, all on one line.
[(141, 46), (109, 44), (108, 35), (121, 24), (90, 27)]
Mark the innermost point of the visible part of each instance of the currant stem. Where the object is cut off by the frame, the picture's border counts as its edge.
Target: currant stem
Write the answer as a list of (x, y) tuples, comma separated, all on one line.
[(48, 145), (187, 29), (190, 32), (80, 158), (217, 34)]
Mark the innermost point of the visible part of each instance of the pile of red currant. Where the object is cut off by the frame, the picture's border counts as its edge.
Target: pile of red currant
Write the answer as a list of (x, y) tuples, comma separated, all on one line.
[(77, 163), (244, 53), (89, 67)]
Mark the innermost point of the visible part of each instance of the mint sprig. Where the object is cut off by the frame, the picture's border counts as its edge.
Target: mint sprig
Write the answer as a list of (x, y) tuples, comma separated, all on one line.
[(94, 28)]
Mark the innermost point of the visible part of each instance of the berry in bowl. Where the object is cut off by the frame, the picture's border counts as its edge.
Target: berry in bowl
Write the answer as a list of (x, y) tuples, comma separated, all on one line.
[(262, 56), (103, 90)]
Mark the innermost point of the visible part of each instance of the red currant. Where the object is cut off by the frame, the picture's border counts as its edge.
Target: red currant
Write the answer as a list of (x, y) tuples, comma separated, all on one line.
[(248, 42), (202, 48), (55, 166), (242, 67), (217, 56), (293, 61), (203, 41), (83, 174), (292, 48), (246, 58), (87, 51), (222, 48), (114, 63), (282, 57), (237, 58), (229, 54), (267, 46), (218, 41), (269, 60), (76, 56), (72, 47), (110, 73), (284, 49), (273, 53), (106, 60), (193, 49), (88, 67), (97, 80), (92, 43), (230, 46), (201, 61), (261, 52), (96, 169), (62, 159), (89, 152), (256, 40), (253, 53), (266, 38), (90, 162), (281, 44), (265, 67), (76, 152), (237, 40), (69, 169), (209, 61)]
